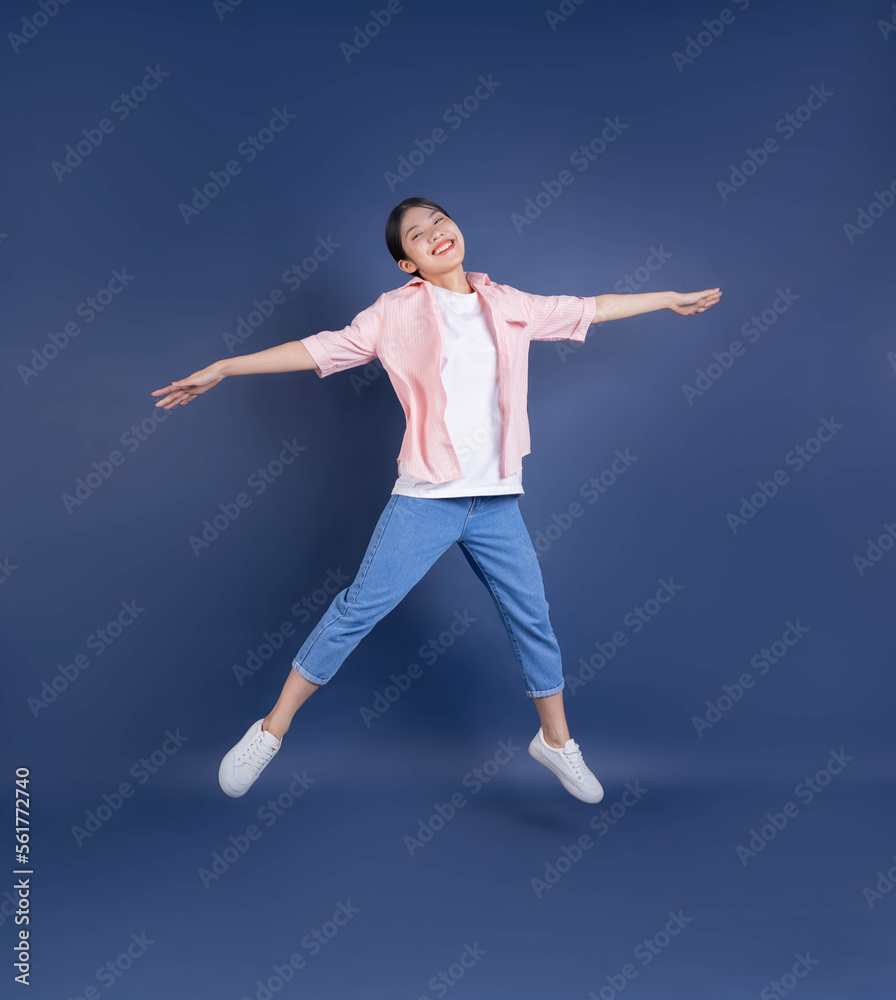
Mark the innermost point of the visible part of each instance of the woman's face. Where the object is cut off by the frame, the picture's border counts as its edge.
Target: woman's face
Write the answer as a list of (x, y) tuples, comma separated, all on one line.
[(432, 243)]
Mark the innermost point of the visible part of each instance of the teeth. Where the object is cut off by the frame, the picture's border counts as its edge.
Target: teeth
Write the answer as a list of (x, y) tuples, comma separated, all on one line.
[(448, 247)]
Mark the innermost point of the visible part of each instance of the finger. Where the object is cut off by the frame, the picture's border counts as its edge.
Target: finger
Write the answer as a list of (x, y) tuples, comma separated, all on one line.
[(173, 387), (177, 396), (171, 400)]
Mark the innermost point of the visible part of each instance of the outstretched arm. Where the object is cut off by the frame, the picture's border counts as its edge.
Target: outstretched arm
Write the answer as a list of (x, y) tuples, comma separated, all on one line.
[(607, 307), (290, 357)]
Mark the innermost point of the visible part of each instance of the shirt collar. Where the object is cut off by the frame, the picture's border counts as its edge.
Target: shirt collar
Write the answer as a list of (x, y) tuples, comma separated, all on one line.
[(475, 278)]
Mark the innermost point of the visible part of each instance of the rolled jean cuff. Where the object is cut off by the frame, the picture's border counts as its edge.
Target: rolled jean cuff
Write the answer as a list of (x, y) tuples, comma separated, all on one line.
[(299, 669), (547, 694)]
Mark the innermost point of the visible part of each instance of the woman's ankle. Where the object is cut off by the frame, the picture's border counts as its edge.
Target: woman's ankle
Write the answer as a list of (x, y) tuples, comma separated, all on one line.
[(554, 739), (275, 727)]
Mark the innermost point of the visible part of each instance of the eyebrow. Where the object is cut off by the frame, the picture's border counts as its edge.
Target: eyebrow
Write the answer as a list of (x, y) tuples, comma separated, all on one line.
[(407, 232)]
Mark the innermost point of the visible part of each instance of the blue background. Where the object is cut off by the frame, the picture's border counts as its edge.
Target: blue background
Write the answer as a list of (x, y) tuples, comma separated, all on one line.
[(828, 355)]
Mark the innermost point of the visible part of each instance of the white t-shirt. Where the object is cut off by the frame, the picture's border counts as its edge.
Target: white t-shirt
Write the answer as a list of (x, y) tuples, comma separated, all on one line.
[(473, 412)]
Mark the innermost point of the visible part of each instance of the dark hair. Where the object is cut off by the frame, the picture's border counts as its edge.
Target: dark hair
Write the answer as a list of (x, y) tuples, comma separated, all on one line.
[(393, 226)]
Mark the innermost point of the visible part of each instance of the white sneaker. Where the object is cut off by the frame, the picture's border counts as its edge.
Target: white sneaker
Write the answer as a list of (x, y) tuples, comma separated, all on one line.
[(243, 763), (569, 766)]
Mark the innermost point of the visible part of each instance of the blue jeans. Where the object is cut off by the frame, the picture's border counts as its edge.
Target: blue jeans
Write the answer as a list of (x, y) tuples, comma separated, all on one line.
[(409, 537)]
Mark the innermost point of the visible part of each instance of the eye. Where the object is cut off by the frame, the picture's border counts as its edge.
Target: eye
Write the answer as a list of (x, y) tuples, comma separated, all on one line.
[(439, 219)]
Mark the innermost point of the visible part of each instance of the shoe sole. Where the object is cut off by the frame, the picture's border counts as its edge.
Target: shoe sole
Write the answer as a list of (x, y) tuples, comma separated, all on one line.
[(225, 787), (574, 791)]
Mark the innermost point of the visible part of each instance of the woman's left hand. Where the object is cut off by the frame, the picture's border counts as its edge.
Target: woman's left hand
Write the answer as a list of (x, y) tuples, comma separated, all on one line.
[(688, 303)]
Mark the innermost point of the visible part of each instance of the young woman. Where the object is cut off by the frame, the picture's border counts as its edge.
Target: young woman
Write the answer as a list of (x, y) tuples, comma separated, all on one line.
[(455, 346)]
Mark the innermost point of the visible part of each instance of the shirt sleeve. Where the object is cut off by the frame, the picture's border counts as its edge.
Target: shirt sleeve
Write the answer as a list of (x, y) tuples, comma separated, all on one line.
[(356, 344), (557, 317)]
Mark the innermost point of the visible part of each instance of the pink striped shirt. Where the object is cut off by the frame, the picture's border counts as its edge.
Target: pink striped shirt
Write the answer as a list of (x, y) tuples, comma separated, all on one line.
[(403, 328)]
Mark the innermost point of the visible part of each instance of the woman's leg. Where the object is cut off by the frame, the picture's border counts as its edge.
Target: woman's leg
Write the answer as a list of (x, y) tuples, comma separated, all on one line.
[(497, 546), (408, 538), (296, 691), (553, 719)]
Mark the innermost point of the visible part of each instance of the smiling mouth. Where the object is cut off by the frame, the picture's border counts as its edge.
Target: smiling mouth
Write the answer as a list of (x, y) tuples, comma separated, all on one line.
[(443, 247)]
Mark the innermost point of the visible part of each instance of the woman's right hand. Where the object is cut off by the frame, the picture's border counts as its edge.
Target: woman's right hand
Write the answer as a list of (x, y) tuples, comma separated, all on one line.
[(186, 389)]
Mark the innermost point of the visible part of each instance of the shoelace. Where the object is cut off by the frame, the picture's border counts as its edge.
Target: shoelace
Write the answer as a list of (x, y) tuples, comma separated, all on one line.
[(257, 754), (575, 760)]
